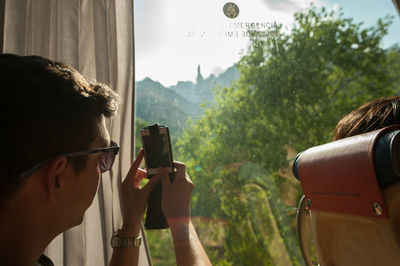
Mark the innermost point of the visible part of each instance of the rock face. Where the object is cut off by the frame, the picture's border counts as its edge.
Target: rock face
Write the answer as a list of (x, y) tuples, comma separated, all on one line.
[(202, 91)]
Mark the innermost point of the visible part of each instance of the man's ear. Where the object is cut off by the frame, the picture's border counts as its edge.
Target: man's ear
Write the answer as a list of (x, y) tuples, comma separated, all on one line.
[(55, 180)]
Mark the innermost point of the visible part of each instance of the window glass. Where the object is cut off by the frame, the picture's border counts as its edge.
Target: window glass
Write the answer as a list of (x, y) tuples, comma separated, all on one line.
[(244, 85)]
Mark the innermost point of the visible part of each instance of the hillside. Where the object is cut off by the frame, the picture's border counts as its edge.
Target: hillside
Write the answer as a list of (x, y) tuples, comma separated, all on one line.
[(157, 104), (174, 105)]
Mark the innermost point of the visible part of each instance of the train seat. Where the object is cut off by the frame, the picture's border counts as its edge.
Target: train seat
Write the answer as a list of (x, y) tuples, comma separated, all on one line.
[(351, 199)]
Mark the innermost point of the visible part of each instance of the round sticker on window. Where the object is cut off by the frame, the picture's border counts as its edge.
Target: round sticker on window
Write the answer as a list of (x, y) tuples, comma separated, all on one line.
[(231, 10)]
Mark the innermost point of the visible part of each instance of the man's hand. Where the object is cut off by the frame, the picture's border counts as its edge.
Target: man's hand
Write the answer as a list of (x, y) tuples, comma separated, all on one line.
[(176, 195), (176, 207), (134, 199)]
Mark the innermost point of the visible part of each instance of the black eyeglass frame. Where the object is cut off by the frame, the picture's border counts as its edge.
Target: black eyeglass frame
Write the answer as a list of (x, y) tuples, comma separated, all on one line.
[(113, 146)]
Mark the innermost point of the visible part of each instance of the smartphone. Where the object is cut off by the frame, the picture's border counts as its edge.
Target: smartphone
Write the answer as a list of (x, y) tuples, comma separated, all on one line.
[(157, 153), (157, 148)]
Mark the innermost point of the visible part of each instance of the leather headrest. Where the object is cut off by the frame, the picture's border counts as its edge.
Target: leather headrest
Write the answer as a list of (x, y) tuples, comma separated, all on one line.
[(347, 175)]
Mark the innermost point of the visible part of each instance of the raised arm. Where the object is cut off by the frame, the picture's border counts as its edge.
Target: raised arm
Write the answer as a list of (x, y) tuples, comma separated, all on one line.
[(134, 200), (176, 207)]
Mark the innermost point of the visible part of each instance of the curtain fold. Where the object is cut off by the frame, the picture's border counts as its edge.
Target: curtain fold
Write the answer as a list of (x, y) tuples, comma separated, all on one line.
[(95, 37)]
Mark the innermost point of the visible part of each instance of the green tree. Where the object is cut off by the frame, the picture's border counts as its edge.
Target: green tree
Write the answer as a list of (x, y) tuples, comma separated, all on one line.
[(393, 66), (139, 123), (292, 91)]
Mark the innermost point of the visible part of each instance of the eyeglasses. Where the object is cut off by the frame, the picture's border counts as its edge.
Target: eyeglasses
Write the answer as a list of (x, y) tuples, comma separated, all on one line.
[(107, 159)]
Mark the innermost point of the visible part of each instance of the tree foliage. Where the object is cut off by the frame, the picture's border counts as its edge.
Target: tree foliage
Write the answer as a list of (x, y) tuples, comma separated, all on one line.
[(291, 93)]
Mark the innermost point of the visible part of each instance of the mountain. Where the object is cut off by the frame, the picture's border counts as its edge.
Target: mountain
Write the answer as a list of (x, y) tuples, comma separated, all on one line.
[(174, 105), (202, 90), (157, 104)]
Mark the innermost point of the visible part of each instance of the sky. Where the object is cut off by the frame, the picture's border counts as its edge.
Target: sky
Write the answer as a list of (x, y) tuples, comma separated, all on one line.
[(173, 37)]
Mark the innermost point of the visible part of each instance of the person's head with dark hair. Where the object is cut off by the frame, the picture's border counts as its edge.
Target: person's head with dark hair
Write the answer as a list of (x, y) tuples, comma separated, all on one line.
[(47, 109), (369, 117), (55, 146)]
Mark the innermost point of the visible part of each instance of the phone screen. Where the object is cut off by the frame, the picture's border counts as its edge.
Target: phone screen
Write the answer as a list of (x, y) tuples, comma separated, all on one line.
[(157, 150)]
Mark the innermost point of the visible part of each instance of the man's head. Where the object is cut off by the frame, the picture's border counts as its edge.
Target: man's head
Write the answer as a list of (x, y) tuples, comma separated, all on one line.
[(369, 117), (47, 109)]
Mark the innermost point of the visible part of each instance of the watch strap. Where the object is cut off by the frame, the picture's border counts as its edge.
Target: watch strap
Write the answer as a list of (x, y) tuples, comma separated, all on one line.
[(119, 242)]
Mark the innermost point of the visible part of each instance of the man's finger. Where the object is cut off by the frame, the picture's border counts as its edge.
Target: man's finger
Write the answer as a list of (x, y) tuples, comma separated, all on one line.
[(130, 177), (180, 169), (164, 177), (179, 165), (138, 159), (140, 174), (150, 185)]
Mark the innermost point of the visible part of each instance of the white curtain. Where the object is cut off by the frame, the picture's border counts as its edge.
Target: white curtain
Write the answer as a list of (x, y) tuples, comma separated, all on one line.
[(95, 37)]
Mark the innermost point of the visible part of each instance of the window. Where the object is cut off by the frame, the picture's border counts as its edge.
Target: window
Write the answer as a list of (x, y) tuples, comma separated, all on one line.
[(246, 85)]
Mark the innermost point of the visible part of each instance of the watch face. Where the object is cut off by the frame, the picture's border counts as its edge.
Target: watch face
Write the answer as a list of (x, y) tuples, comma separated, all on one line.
[(138, 241)]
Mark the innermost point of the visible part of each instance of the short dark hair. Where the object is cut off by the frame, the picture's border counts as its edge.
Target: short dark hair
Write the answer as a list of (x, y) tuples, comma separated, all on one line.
[(46, 108), (369, 117)]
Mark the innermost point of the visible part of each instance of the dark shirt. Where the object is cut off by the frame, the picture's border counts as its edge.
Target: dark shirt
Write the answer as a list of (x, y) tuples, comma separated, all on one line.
[(44, 261)]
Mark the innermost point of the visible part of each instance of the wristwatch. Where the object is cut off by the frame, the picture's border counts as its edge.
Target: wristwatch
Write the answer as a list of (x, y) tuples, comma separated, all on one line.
[(118, 242)]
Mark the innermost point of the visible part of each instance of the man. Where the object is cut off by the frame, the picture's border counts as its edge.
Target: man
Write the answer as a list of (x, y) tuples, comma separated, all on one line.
[(56, 147)]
